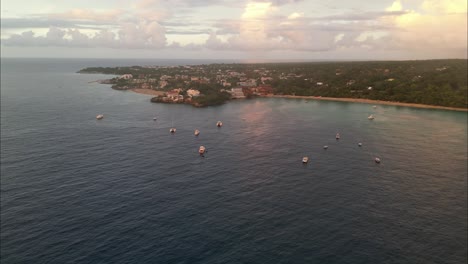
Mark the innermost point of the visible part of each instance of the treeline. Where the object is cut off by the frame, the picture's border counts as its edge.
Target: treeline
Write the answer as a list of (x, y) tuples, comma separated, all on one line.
[(433, 82), (211, 94)]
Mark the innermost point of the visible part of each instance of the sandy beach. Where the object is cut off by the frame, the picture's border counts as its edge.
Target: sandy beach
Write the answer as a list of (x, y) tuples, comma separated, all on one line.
[(147, 91), (368, 101)]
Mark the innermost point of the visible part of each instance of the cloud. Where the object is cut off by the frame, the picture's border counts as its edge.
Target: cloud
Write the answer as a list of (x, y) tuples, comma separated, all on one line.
[(441, 27), (88, 14), (41, 22), (261, 26), (144, 35)]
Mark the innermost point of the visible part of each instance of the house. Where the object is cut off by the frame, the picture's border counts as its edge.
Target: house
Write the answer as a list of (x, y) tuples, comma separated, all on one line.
[(263, 79), (126, 76), (193, 93), (174, 95), (264, 90), (162, 84), (237, 93)]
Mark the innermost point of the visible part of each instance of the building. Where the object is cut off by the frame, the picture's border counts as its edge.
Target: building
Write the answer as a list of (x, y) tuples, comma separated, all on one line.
[(193, 93), (237, 93), (126, 76), (264, 90)]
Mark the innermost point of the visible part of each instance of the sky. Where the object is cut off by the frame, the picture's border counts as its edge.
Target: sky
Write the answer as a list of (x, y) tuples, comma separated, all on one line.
[(235, 29)]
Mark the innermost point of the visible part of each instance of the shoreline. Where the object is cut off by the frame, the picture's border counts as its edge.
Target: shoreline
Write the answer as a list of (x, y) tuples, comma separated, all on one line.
[(147, 91), (368, 101), (351, 100)]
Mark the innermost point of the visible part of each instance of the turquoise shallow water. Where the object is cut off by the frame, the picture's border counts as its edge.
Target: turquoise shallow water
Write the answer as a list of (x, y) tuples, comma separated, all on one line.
[(124, 190)]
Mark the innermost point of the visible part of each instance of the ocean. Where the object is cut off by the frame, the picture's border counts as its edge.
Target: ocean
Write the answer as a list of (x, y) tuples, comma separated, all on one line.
[(124, 190)]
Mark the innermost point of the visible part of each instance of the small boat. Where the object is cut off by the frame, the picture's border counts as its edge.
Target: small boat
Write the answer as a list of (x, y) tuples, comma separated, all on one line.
[(377, 160), (359, 144), (325, 147), (371, 117), (155, 118), (197, 132), (374, 106), (201, 150), (305, 159), (172, 130), (219, 124), (98, 117), (337, 136)]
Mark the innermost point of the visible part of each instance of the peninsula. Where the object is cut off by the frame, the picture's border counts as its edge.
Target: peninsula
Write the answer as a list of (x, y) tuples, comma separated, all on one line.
[(428, 83)]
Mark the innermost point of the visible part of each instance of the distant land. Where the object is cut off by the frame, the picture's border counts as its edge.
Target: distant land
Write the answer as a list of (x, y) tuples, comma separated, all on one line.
[(424, 83)]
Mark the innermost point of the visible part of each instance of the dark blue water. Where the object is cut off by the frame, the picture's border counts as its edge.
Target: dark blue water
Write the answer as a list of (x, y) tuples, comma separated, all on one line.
[(124, 190)]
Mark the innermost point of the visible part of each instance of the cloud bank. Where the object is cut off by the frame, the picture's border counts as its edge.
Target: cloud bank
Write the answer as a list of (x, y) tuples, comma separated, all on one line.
[(436, 26)]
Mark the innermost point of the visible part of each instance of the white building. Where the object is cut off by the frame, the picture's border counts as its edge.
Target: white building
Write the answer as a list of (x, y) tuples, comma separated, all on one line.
[(126, 76), (193, 93), (237, 93)]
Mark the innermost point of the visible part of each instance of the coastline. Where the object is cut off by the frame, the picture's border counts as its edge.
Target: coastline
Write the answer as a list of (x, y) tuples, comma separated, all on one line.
[(147, 91), (352, 100), (369, 101)]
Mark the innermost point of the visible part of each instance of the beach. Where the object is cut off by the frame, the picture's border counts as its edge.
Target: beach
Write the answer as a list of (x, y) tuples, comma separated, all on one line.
[(368, 101), (147, 91)]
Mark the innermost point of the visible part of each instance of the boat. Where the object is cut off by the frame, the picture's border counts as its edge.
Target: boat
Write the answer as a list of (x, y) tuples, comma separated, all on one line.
[(337, 136), (377, 160), (305, 159), (197, 132), (98, 117), (359, 144), (371, 117), (173, 129), (375, 106), (219, 124), (325, 147), (155, 118), (201, 150)]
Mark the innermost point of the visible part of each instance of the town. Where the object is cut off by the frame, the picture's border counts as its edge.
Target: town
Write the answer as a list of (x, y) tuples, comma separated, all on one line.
[(421, 82)]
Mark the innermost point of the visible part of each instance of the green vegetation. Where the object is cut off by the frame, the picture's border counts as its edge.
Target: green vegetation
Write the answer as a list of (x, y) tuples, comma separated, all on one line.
[(432, 82)]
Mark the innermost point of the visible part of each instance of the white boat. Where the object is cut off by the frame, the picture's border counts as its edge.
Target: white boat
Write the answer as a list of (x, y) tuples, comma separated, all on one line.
[(337, 136), (305, 159), (197, 132), (201, 150), (172, 130), (99, 117), (371, 117), (219, 124), (375, 106), (155, 118), (325, 147), (359, 144), (377, 160)]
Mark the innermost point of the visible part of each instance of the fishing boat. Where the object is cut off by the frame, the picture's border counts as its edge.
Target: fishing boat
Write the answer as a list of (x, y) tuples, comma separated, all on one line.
[(201, 150), (337, 136), (197, 132), (305, 159), (371, 117), (98, 117), (219, 124)]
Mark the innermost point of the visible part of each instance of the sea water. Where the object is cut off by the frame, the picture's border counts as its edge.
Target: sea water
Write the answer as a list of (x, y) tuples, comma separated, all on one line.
[(124, 190)]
